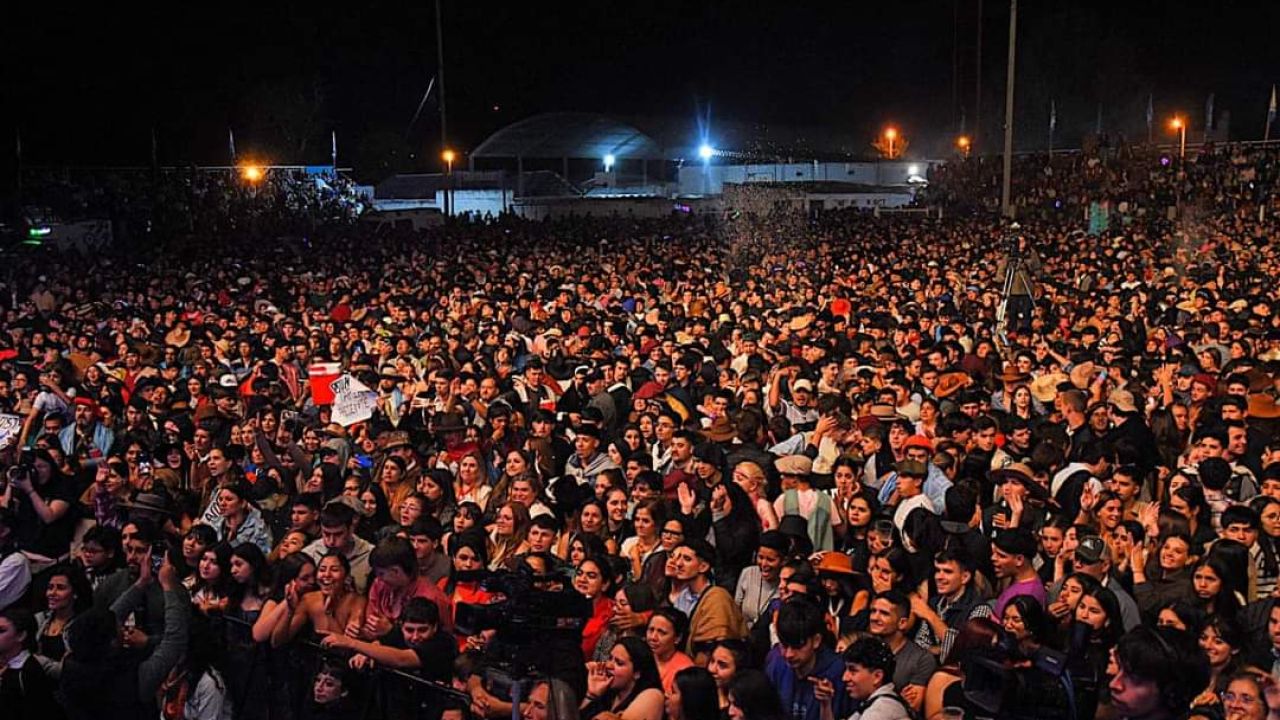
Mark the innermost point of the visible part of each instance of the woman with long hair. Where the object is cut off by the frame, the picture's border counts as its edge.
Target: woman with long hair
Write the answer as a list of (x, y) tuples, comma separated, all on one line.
[(375, 512), (1189, 501), (471, 483), (590, 520), (212, 589), (618, 526), (67, 594), (507, 536), (1026, 623), (666, 633), (516, 463), (1092, 635), (436, 486), (753, 697), (1268, 557), (239, 519), (647, 520), (1063, 609), (549, 699), (693, 696), (627, 685), (108, 493), (727, 659), (633, 605), (1218, 583), (1023, 403), (331, 608), (1166, 580), (945, 688), (392, 480), (594, 581), (1222, 643), (292, 577)]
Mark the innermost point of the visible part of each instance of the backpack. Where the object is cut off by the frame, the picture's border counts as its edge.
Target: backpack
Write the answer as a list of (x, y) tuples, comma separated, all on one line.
[(895, 697)]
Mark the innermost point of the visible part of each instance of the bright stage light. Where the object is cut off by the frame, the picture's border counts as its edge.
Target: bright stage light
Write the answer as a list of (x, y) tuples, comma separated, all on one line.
[(705, 152), (609, 160)]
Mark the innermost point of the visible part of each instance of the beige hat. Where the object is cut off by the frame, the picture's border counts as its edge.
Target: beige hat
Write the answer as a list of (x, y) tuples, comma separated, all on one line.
[(794, 465), (1122, 400)]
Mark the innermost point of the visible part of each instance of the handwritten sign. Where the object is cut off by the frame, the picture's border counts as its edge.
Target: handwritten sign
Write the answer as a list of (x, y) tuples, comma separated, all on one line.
[(353, 401), (10, 428)]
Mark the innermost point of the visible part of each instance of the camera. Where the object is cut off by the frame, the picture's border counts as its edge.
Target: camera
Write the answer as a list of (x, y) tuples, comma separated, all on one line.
[(999, 684), (25, 469), (539, 627)]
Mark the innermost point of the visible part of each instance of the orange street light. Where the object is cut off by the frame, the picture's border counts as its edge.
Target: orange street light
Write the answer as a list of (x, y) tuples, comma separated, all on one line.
[(1177, 123), (448, 156), (252, 173), (891, 134), (964, 144)]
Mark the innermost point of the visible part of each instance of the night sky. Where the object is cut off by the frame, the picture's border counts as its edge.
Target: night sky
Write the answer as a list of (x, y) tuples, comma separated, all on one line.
[(88, 86)]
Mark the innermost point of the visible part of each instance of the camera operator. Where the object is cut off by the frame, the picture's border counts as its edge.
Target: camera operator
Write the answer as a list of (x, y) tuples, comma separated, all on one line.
[(102, 677)]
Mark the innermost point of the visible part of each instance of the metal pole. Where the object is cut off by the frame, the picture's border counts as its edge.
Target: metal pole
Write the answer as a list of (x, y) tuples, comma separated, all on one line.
[(1005, 205), (444, 128), (977, 100)]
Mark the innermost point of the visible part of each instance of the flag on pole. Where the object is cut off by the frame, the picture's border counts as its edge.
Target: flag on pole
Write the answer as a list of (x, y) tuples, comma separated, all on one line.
[(1053, 115), (1208, 114), (1271, 116), (231, 143)]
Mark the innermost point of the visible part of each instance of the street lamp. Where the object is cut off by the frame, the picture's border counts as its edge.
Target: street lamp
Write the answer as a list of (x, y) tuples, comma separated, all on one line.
[(705, 152), (609, 160), (1177, 123), (448, 156), (891, 134), (965, 144), (253, 173)]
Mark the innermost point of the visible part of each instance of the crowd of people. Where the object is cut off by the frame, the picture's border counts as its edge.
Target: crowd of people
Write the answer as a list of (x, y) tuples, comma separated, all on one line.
[(784, 467)]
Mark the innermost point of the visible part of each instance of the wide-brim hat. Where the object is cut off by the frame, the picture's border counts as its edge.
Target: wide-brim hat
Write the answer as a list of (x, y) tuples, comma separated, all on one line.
[(1021, 473), (950, 383), (148, 502), (834, 563), (178, 337), (448, 422), (1122, 400), (394, 439), (1082, 375), (721, 430), (1263, 406), (1045, 387), (1013, 377)]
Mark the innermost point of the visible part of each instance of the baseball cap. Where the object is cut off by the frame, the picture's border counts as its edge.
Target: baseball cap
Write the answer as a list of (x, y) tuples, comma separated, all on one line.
[(1091, 549)]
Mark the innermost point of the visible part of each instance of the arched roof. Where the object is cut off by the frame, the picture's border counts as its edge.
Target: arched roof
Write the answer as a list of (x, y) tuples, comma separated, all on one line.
[(569, 135)]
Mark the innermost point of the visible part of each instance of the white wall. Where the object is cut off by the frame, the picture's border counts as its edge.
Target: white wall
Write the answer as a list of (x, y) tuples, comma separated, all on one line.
[(710, 179)]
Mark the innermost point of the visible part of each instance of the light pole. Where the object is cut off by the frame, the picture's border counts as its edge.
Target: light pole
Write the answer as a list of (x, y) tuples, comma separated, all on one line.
[(1177, 123), (891, 134), (1006, 183), (448, 156), (965, 145)]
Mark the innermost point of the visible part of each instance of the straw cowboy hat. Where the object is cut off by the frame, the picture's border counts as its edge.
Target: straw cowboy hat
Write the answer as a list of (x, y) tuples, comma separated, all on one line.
[(1045, 387), (1082, 374), (952, 382)]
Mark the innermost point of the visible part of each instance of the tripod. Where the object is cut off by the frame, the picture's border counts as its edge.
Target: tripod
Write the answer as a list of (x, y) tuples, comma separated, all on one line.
[(1015, 269)]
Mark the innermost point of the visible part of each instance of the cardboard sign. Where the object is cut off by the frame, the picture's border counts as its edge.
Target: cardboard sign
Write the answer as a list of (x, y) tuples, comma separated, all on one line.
[(353, 402), (10, 428)]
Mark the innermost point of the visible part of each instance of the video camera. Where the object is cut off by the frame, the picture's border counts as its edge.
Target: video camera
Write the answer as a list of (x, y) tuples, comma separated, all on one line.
[(1000, 686), (538, 625)]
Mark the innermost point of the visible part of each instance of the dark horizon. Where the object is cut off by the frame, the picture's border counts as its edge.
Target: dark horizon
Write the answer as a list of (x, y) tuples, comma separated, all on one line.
[(90, 89)]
